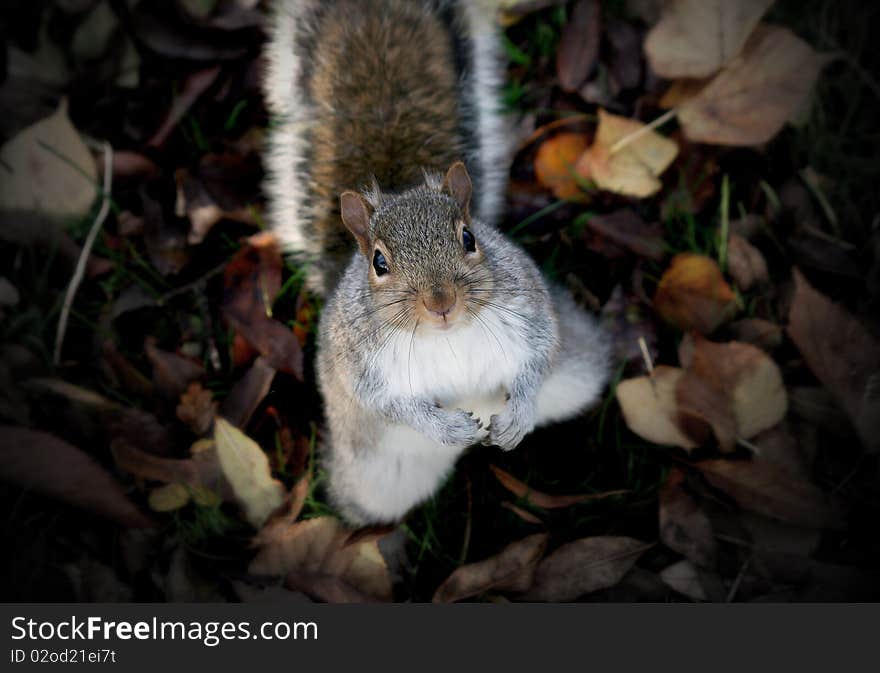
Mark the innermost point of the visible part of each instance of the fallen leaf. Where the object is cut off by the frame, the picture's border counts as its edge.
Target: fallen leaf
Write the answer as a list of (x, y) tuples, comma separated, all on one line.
[(313, 556), (193, 87), (246, 468), (248, 392), (584, 566), (634, 168), (555, 164), (172, 373), (511, 569), (202, 471), (252, 280), (197, 408), (762, 487), (842, 354), (745, 263), (692, 294), (649, 407), (629, 230), (85, 414), (680, 91), (164, 235), (694, 38), (47, 168), (579, 45), (684, 527), (526, 516), (169, 497), (750, 101), (764, 334), (45, 464), (705, 404), (685, 579), (544, 500), (734, 387)]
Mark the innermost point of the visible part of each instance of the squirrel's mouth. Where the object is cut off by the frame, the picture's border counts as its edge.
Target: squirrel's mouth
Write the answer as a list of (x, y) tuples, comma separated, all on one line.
[(441, 310)]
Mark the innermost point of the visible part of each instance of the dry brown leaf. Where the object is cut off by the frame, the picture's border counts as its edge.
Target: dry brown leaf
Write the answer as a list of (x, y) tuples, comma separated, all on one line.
[(511, 569), (626, 228), (762, 487), (692, 294), (681, 90), (735, 388), (842, 354), (584, 566), (694, 38), (200, 472), (750, 101), (579, 45), (315, 556), (44, 464), (632, 170), (246, 395), (745, 263), (172, 373), (649, 407), (48, 169), (247, 470), (555, 164), (197, 408), (252, 280), (88, 414), (526, 516), (545, 500), (764, 334), (684, 527), (685, 579)]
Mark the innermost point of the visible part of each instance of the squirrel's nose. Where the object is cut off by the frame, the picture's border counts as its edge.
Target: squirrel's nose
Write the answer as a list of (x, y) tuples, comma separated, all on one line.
[(440, 301)]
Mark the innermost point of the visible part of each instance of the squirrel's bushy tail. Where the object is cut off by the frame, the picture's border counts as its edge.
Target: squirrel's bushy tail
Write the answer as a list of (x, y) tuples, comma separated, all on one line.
[(364, 90)]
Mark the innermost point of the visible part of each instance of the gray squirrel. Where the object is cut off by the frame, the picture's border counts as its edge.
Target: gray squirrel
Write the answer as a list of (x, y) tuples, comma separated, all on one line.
[(438, 332)]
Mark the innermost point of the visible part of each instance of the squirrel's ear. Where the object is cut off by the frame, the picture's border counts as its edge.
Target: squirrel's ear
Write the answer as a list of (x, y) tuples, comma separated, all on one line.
[(356, 216), (457, 183)]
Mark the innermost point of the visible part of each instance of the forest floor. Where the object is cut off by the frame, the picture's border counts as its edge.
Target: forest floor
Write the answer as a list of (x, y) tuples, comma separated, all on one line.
[(162, 444)]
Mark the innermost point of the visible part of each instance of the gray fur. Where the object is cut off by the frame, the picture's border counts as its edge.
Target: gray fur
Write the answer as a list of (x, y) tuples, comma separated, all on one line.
[(404, 398)]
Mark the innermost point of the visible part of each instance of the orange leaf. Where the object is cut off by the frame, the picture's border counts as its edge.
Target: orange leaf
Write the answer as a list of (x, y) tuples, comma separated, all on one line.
[(692, 294), (554, 163)]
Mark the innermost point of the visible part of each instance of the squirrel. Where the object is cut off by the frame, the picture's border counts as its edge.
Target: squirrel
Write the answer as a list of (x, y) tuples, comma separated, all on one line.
[(385, 177)]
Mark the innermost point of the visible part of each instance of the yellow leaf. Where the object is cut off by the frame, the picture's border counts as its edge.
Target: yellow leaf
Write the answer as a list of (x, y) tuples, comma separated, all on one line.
[(247, 470), (749, 101), (169, 497), (649, 407), (634, 167), (694, 38)]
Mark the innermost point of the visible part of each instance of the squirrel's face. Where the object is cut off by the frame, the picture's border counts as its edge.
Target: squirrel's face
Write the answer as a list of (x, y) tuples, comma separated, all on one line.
[(426, 265)]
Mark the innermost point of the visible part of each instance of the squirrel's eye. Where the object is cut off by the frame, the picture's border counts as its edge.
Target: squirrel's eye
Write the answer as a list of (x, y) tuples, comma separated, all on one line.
[(380, 266), (467, 238)]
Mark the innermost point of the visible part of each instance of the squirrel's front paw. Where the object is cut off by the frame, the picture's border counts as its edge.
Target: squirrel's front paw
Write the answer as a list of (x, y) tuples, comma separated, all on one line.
[(459, 428), (508, 428)]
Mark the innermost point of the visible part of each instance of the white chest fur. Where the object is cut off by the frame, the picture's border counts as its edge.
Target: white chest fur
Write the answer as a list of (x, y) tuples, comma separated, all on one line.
[(469, 367)]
